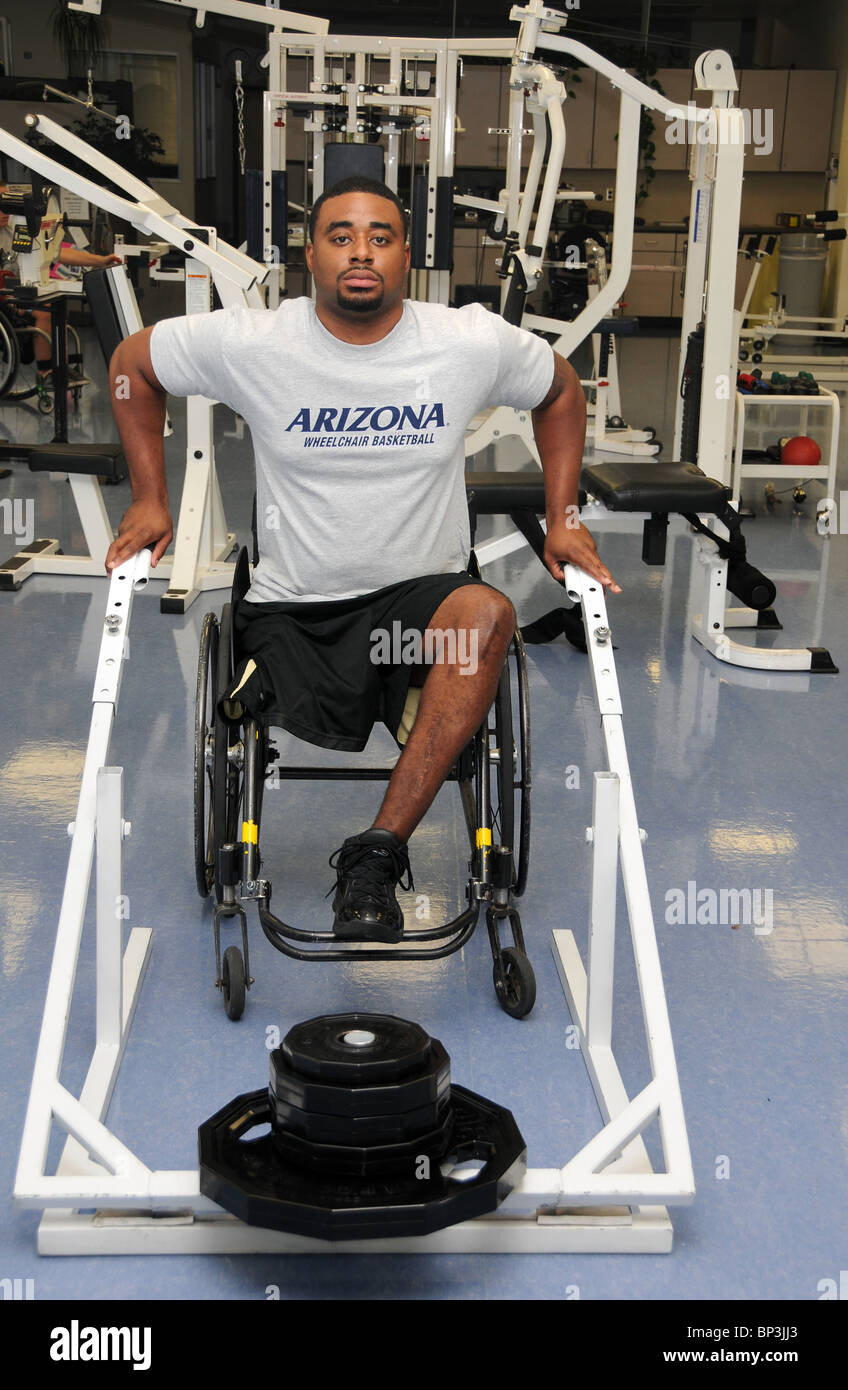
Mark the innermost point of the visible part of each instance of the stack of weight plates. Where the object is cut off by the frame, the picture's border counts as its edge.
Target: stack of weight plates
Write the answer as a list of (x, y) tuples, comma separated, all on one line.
[(360, 1095), (360, 1135)]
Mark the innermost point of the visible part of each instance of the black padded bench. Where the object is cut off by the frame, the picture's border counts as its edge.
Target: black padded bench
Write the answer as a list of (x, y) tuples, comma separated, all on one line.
[(100, 460), (84, 464), (626, 485)]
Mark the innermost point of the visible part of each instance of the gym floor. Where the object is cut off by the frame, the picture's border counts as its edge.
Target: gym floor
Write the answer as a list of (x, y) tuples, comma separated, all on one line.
[(739, 780)]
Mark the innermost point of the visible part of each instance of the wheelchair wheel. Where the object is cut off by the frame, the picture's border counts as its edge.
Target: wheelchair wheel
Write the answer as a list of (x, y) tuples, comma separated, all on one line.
[(10, 356), (515, 983), (233, 982), (226, 777), (503, 809), (511, 815), (204, 732), (510, 788), (217, 775)]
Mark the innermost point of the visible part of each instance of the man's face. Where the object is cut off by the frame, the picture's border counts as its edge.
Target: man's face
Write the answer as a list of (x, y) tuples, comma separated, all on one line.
[(358, 260)]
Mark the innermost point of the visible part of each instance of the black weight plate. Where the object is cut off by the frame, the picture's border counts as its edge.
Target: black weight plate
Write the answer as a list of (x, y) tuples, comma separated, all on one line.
[(365, 1130), (250, 1178), (428, 1086), (360, 1162), (317, 1048)]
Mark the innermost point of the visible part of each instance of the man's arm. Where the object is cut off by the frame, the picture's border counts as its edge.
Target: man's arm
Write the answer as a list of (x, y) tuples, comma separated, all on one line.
[(138, 404), (559, 428)]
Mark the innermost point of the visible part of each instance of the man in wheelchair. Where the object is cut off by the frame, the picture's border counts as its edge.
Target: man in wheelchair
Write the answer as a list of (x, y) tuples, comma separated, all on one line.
[(358, 406)]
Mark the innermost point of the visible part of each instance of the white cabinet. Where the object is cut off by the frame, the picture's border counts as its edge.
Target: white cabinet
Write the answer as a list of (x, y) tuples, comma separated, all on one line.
[(579, 112), (762, 94), (604, 142), (809, 116), (654, 293), (676, 84)]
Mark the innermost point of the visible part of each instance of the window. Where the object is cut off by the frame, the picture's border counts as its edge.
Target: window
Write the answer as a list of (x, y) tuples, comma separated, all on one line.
[(156, 105)]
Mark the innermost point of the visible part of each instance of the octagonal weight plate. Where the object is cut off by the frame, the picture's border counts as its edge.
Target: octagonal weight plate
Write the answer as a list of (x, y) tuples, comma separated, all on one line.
[(249, 1178)]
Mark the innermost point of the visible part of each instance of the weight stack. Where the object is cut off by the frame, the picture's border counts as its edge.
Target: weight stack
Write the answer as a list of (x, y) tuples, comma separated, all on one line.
[(368, 1137)]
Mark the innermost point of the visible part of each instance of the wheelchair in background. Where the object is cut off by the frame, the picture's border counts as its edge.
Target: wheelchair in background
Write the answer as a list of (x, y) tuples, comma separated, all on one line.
[(232, 763), (20, 381)]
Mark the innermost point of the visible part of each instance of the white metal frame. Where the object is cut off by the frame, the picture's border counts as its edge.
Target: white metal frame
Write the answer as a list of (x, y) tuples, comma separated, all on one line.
[(605, 1198), (717, 175), (716, 168), (769, 326), (440, 110), (322, 51), (202, 541), (268, 14), (825, 400)]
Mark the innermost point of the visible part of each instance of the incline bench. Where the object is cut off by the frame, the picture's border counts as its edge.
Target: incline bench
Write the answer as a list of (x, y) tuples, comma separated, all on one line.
[(659, 490), (84, 464)]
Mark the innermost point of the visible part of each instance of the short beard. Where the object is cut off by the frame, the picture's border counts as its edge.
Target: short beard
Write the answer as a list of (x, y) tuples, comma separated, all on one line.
[(358, 304)]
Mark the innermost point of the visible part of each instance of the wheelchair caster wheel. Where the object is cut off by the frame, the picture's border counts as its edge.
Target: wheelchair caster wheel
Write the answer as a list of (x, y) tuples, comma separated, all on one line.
[(758, 344), (650, 432), (233, 982), (757, 357), (615, 422), (515, 983), (743, 354)]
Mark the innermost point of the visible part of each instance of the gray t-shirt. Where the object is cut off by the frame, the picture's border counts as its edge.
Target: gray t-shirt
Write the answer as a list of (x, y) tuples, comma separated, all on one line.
[(360, 456)]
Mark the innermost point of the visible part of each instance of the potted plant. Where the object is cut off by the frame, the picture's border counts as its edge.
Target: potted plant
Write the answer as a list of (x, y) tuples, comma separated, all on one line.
[(79, 36)]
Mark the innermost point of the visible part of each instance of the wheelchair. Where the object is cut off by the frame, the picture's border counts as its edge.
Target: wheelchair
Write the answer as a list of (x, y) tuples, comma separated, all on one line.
[(20, 381), (232, 763)]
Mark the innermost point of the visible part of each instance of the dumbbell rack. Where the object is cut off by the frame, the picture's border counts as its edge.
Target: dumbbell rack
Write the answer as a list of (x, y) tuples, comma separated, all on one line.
[(102, 1199)]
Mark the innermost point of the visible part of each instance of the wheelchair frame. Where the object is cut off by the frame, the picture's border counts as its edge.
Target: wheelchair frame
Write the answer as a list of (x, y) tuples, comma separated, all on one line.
[(230, 768)]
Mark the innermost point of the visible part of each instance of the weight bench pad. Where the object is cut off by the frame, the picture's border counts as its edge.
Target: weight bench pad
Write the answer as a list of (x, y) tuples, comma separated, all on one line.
[(497, 494), (102, 460), (646, 485), (506, 492), (619, 328)]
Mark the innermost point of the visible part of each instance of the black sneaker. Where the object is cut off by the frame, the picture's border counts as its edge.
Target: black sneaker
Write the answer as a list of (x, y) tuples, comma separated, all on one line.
[(368, 868)]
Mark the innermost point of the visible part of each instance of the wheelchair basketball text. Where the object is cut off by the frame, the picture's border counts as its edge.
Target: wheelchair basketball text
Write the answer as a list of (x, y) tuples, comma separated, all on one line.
[(409, 647)]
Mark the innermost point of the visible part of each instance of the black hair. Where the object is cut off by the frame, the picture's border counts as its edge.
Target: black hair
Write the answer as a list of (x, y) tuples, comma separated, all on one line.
[(358, 184)]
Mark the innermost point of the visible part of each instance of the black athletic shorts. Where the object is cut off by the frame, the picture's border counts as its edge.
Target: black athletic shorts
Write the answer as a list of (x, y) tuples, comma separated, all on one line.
[(309, 664)]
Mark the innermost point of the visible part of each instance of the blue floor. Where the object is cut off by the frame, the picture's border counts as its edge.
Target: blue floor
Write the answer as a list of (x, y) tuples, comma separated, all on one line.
[(739, 781)]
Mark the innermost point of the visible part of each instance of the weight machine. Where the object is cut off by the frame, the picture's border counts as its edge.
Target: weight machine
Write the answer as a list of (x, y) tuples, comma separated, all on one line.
[(202, 541), (358, 89), (758, 332), (707, 372), (716, 185)]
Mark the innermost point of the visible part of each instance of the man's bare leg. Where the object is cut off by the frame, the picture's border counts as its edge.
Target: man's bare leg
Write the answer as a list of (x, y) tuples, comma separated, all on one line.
[(453, 704)]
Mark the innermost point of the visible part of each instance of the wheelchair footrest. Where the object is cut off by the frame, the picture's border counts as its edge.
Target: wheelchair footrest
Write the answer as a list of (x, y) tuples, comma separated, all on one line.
[(430, 944)]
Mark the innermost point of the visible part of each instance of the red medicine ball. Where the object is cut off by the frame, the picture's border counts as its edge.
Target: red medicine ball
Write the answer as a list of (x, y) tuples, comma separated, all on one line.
[(800, 452)]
